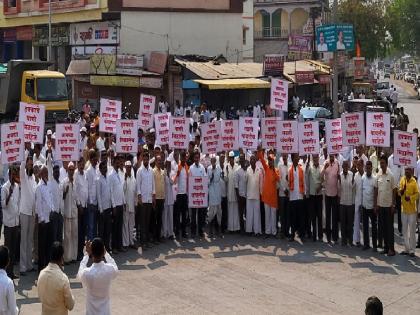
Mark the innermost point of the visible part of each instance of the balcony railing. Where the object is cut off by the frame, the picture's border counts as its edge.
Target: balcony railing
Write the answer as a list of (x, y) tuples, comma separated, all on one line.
[(271, 32)]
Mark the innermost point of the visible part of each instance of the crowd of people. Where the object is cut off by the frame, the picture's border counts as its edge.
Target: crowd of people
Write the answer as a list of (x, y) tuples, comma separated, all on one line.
[(138, 201)]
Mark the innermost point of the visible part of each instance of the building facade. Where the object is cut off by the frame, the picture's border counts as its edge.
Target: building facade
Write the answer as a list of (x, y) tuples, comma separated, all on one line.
[(248, 31)]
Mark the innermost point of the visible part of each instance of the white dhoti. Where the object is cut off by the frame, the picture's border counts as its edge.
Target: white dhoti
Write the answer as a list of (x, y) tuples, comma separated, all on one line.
[(253, 216), (233, 217), (27, 225), (168, 221), (128, 228), (356, 224), (70, 239), (215, 211), (270, 220)]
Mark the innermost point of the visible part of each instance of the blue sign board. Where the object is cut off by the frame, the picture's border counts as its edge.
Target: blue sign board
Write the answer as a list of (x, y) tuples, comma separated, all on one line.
[(332, 37)]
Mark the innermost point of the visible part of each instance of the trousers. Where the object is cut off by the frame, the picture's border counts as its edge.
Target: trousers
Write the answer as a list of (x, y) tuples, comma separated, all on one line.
[(284, 216), (331, 218), (27, 224), (117, 225), (11, 236), (356, 224), (70, 239), (241, 212), (44, 245), (128, 228), (346, 223), (387, 225), (253, 216), (157, 222), (145, 212), (168, 221), (368, 214), (315, 205), (180, 213), (56, 220), (224, 213), (105, 227), (296, 213), (409, 231), (198, 220), (270, 220)]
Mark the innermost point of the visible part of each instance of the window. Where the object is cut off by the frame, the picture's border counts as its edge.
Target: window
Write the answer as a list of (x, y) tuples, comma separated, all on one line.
[(52, 89), (30, 88), (11, 3)]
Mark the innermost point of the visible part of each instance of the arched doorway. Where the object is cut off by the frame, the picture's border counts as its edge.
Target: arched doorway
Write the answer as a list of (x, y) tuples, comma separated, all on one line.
[(298, 19)]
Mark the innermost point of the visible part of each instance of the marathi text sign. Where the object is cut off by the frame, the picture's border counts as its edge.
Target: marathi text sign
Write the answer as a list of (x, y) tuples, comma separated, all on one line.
[(405, 148), (248, 133), (269, 132), (353, 126), (109, 114), (162, 128), (308, 137), (229, 131), (279, 94), (198, 191), (273, 65), (127, 137), (179, 132), (146, 110), (333, 136), (67, 142), (378, 129), (287, 136), (12, 145), (210, 133), (33, 118), (304, 77)]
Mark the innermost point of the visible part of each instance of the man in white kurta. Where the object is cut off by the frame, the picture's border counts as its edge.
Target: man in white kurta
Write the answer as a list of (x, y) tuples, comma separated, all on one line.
[(168, 210), (253, 191), (130, 187), (70, 216), (215, 196), (357, 179), (230, 176)]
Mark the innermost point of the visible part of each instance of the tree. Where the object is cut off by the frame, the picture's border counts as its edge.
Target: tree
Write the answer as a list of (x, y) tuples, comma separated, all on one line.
[(368, 19)]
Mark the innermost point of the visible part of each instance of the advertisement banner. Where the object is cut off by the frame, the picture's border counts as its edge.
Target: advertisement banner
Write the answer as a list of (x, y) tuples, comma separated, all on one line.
[(179, 134), (162, 128), (273, 65), (12, 145), (67, 142), (97, 33), (287, 136), (333, 136), (103, 64), (229, 135), (378, 131), (332, 37), (248, 133), (146, 111), (279, 95), (110, 112), (269, 132), (127, 137), (210, 135), (33, 118), (353, 125), (405, 148), (299, 47), (198, 191), (308, 137)]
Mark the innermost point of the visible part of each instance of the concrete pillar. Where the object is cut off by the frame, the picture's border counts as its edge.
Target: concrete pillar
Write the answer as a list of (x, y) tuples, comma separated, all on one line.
[(35, 52)]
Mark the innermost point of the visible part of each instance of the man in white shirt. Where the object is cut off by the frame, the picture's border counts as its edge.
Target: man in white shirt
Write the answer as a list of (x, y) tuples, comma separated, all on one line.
[(253, 191), (70, 216), (43, 209), (130, 194), (215, 198), (7, 288), (26, 214), (159, 181), (104, 206), (97, 278), (357, 180), (233, 213), (81, 187), (296, 192), (10, 195), (118, 202), (92, 206), (181, 205), (283, 167), (345, 194), (368, 187), (168, 212), (56, 189), (198, 215), (314, 190), (241, 189), (223, 192), (397, 172)]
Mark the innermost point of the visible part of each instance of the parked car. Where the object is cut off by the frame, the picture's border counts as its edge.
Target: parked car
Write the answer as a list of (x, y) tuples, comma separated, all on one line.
[(382, 89), (316, 113)]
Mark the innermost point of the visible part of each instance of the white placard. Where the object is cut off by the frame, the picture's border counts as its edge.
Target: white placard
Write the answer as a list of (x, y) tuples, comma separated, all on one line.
[(334, 136), (308, 137), (198, 191), (146, 111), (127, 137), (110, 112), (287, 136), (269, 132), (229, 135), (12, 145), (405, 148), (67, 142), (33, 118), (378, 129), (353, 126), (248, 133), (162, 128), (210, 136), (179, 134), (279, 94)]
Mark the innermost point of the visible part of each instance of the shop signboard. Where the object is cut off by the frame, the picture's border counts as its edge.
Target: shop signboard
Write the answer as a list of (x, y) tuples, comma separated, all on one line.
[(304, 77), (157, 62), (97, 33), (273, 65), (300, 47), (59, 35), (114, 80)]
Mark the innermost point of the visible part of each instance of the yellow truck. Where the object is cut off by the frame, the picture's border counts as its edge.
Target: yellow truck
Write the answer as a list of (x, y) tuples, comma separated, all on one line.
[(30, 81)]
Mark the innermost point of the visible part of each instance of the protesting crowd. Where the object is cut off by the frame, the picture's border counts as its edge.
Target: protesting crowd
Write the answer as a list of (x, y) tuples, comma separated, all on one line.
[(84, 192)]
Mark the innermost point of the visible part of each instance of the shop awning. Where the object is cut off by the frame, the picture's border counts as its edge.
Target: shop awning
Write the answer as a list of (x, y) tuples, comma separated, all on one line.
[(78, 67), (234, 84)]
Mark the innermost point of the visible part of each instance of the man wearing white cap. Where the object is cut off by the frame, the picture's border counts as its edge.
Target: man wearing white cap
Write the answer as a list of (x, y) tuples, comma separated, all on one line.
[(83, 139), (233, 214), (130, 194), (70, 216)]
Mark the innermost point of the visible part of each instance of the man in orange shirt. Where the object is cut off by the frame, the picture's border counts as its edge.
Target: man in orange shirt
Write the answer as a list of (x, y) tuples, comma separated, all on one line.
[(269, 193)]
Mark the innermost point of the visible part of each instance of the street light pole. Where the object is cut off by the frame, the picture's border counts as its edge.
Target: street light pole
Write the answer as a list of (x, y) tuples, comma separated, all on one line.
[(335, 68), (49, 30)]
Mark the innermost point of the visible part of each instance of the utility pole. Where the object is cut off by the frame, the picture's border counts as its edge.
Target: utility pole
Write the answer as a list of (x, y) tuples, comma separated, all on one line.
[(49, 30), (335, 67)]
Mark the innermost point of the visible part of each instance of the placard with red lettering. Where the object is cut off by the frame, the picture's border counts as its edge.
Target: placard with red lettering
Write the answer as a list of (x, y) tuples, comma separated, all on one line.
[(248, 133), (308, 137), (198, 191), (210, 135), (229, 135), (67, 142), (110, 113), (127, 137), (269, 132), (333, 136), (12, 145), (179, 134), (287, 136), (146, 111), (279, 94), (162, 128), (33, 118), (378, 129), (353, 126), (405, 148)]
